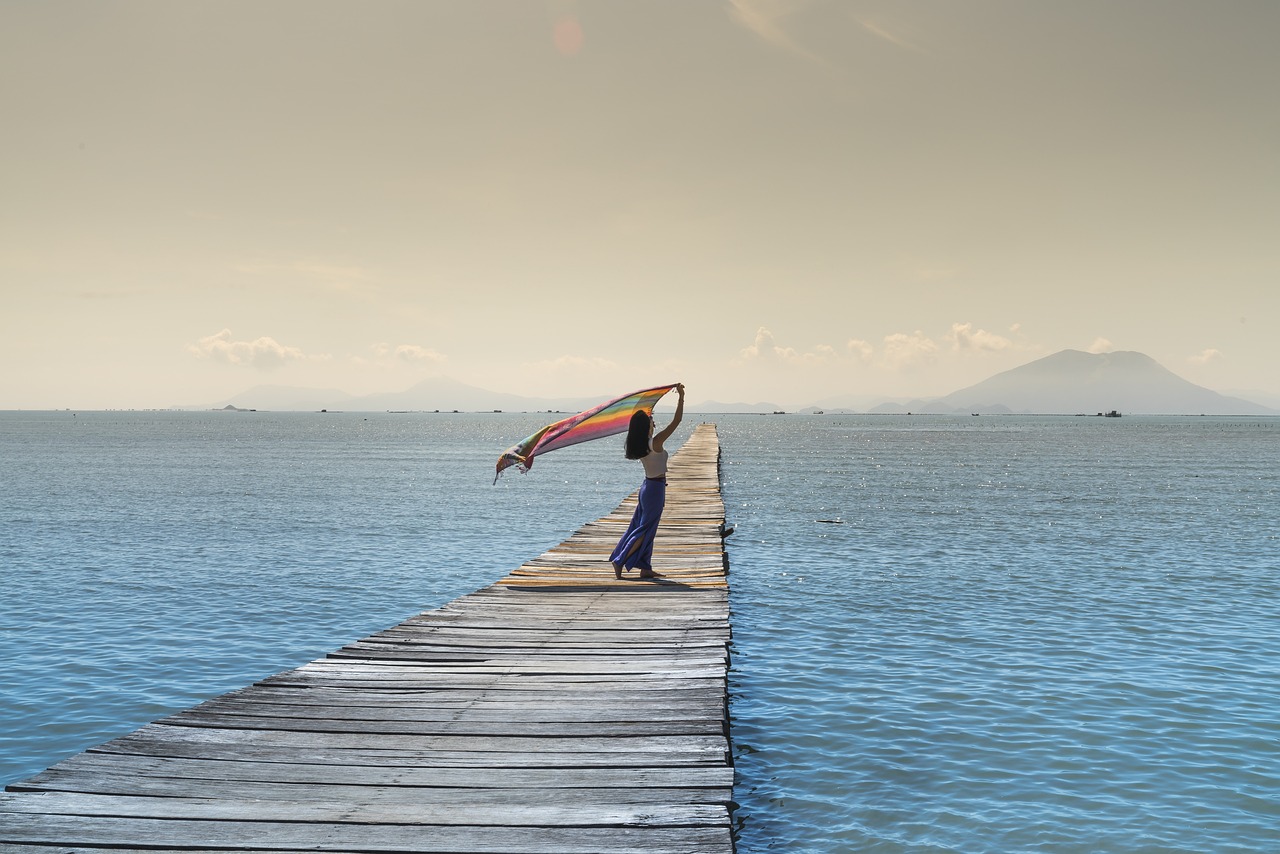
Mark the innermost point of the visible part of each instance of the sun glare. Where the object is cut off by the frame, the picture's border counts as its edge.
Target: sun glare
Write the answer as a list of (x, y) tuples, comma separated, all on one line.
[(568, 36)]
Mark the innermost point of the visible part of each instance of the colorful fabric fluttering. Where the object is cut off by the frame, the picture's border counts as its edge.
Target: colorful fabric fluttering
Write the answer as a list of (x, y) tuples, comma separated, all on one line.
[(607, 419)]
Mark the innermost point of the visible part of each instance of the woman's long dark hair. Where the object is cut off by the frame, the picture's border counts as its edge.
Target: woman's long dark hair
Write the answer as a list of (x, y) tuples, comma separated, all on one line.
[(638, 435)]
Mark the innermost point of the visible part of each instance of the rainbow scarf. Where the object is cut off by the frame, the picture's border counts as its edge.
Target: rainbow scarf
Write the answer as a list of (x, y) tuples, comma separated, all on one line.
[(607, 419)]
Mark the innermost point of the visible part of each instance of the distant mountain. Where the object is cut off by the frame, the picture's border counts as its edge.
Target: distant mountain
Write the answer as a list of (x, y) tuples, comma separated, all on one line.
[(1265, 398), (846, 403), (1072, 382), (436, 393), (715, 406), (429, 394)]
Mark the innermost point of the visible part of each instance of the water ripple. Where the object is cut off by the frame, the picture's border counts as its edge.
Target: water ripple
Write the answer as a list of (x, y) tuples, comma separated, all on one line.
[(990, 655)]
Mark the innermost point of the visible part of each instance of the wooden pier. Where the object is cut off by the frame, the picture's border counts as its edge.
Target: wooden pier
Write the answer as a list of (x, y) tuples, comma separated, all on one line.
[(557, 710)]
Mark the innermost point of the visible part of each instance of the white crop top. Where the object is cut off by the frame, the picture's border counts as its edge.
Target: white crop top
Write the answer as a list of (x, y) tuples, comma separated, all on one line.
[(655, 463)]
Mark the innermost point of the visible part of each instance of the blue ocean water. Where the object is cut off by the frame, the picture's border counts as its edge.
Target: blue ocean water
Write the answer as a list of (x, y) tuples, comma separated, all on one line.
[(950, 634)]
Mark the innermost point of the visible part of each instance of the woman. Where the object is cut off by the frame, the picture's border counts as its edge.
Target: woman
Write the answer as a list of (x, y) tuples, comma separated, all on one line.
[(635, 549)]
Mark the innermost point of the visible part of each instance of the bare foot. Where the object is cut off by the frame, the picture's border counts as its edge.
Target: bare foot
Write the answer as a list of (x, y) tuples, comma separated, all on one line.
[(649, 573), (617, 571)]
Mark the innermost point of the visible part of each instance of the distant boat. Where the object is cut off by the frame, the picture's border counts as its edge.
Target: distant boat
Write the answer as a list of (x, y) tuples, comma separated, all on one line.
[(1112, 414)]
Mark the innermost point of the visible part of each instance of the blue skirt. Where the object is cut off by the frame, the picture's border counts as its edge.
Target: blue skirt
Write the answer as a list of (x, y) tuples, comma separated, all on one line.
[(635, 549)]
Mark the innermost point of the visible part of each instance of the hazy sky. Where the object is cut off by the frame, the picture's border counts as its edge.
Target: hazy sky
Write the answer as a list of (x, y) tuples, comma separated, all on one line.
[(781, 201)]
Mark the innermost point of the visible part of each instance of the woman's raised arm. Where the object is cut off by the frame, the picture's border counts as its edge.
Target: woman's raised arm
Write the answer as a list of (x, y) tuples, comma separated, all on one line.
[(666, 432)]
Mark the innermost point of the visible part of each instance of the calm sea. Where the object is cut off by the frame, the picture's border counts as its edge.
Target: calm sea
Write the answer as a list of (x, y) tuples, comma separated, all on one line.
[(950, 634)]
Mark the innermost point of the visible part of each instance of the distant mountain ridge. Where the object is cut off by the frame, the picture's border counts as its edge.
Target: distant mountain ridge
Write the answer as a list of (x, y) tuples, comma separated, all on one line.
[(429, 395), (1072, 382), (435, 393)]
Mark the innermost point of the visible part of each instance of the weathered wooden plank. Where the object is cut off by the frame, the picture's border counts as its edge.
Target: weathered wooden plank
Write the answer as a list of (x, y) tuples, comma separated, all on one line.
[(406, 796), (507, 698), (492, 683), (88, 766), (442, 652), (566, 639), (530, 663), (484, 623), (467, 726), (656, 600), (606, 641), (380, 757), (328, 836), (423, 745), (568, 715), (517, 813), (611, 637), (458, 696)]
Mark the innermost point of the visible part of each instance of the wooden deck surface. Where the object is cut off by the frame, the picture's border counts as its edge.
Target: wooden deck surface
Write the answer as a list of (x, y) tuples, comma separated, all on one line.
[(557, 710)]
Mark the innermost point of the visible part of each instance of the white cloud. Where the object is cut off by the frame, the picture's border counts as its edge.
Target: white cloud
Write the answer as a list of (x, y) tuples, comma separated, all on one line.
[(964, 337), (262, 353), (762, 346), (765, 350), (860, 350), (902, 350), (882, 360), (897, 351), (411, 353), (1206, 356), (1101, 345)]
